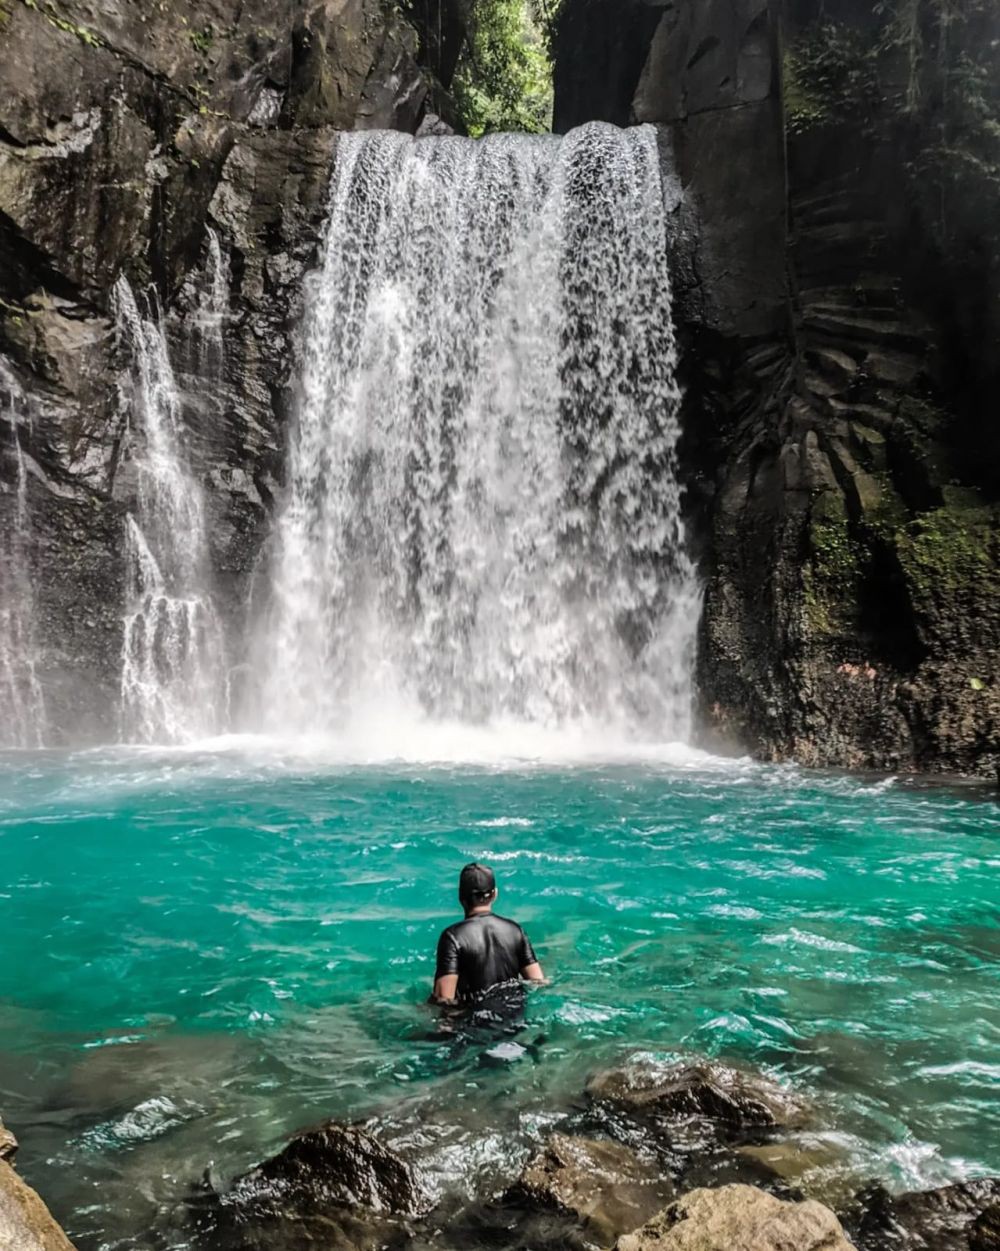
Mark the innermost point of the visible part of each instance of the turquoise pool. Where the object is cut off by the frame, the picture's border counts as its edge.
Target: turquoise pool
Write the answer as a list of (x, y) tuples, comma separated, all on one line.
[(206, 950)]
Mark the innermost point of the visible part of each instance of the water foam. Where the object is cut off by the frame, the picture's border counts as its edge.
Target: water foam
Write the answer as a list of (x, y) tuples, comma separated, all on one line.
[(377, 740)]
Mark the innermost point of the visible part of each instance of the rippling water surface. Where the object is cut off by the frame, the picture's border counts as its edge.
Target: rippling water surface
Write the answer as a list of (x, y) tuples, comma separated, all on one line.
[(203, 952)]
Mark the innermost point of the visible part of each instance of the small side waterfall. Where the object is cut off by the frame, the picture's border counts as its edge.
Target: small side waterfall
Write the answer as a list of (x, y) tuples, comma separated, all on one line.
[(483, 516), (173, 656), (22, 705), (213, 309)]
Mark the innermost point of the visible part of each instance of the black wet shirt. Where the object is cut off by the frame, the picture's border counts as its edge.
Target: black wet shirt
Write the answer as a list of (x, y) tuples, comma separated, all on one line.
[(484, 951)]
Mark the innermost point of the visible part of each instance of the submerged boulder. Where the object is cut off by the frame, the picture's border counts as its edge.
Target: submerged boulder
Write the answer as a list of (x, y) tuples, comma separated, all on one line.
[(335, 1166), (734, 1101), (806, 1164), (336, 1186), (738, 1218), (928, 1220), (604, 1185), (25, 1222)]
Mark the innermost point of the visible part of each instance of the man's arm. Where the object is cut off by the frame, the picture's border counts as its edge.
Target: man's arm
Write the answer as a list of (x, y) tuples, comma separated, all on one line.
[(531, 970), (446, 988), (446, 973)]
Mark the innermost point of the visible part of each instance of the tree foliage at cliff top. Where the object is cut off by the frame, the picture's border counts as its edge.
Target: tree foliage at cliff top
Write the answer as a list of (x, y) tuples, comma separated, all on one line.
[(932, 73), (504, 75)]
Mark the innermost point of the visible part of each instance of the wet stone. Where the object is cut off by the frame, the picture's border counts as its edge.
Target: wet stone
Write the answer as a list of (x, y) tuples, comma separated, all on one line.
[(8, 1144), (604, 1185), (334, 1166), (730, 1100), (984, 1232), (809, 1166), (926, 1220)]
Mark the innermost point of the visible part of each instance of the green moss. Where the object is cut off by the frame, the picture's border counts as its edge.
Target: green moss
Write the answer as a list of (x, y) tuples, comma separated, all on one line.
[(201, 40), (881, 524), (834, 555), (952, 554), (55, 18), (832, 574)]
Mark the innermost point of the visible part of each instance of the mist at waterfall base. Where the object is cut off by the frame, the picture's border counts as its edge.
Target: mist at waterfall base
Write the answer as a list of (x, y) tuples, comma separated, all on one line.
[(207, 951)]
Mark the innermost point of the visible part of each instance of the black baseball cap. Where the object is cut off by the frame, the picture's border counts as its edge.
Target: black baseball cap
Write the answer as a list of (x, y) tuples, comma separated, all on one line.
[(476, 882)]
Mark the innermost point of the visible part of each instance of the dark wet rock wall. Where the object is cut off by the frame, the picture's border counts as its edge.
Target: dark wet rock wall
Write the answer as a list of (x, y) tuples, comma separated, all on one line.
[(839, 358)]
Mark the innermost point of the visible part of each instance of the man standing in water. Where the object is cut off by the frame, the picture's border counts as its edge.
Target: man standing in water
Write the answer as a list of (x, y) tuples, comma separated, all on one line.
[(483, 953)]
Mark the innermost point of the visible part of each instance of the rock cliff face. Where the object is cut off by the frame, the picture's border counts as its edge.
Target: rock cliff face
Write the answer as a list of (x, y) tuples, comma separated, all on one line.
[(849, 543), (130, 129)]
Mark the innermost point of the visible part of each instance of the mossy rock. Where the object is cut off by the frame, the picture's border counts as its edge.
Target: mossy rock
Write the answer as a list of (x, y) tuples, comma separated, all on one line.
[(890, 514), (870, 446), (950, 558), (833, 572)]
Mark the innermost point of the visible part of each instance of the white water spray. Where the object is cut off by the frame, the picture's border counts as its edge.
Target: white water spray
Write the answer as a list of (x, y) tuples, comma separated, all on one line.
[(212, 312), (483, 517), (173, 663), (22, 705)]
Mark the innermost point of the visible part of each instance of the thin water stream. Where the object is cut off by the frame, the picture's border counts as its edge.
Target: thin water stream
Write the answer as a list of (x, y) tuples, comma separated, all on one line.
[(22, 700), (173, 652)]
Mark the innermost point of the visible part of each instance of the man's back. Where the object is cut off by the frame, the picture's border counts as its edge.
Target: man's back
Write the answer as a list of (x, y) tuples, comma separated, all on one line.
[(484, 951)]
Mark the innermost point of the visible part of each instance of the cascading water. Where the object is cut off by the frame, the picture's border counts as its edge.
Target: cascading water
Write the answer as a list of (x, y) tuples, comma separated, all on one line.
[(173, 656), (213, 309), (22, 705), (483, 518)]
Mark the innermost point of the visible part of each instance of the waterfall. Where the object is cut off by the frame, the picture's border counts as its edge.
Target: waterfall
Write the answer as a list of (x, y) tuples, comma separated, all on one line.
[(483, 516), (213, 310), (173, 661), (22, 706)]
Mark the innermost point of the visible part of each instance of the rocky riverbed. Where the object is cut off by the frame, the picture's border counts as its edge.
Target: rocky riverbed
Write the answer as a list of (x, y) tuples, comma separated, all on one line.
[(687, 1157)]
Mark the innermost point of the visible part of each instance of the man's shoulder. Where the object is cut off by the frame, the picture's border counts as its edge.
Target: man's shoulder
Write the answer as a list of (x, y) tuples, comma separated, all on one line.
[(467, 923), (457, 927), (506, 921)]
